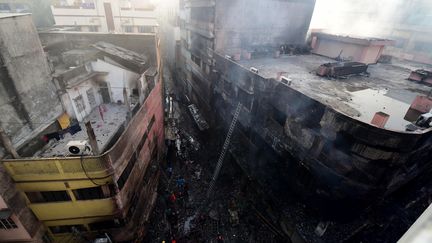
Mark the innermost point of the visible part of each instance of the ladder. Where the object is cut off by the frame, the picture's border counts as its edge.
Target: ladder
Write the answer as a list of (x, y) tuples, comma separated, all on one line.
[(224, 149)]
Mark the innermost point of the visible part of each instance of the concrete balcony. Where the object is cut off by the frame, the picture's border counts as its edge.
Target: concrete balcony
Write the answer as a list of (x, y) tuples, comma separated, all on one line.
[(54, 169), (73, 209)]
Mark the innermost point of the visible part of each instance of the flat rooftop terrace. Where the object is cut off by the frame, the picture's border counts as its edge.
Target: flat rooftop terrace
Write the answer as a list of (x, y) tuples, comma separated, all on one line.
[(385, 90), (113, 118)]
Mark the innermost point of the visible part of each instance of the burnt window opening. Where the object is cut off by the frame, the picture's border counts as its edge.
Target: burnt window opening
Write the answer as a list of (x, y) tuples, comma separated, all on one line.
[(7, 224), (126, 172), (63, 229), (48, 196), (93, 193), (196, 60), (245, 99), (279, 116)]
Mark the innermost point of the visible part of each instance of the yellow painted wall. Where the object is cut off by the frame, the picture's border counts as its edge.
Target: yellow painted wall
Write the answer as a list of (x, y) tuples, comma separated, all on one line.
[(73, 209)]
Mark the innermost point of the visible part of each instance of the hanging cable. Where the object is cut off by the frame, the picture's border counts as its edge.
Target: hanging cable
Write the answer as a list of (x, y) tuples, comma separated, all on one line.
[(85, 172)]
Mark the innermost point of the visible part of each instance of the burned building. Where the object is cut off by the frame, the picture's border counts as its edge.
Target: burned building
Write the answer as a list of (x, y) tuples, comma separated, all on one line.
[(340, 143), (235, 28), (92, 171)]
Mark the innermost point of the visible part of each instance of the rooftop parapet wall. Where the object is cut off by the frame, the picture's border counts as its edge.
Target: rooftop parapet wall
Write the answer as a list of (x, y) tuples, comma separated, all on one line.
[(359, 49)]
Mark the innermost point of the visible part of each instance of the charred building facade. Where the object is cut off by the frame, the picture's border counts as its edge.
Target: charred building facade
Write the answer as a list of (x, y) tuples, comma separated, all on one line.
[(340, 142), (234, 28)]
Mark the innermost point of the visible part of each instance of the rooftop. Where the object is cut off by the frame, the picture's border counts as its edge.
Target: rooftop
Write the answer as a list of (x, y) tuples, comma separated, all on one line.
[(385, 90), (133, 61), (104, 129)]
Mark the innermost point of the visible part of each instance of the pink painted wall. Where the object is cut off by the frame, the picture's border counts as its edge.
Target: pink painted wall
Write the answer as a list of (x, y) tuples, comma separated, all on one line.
[(10, 235), (350, 51)]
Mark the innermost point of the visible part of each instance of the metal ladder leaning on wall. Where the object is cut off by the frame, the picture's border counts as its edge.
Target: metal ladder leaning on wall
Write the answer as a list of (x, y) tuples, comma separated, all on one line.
[(224, 150)]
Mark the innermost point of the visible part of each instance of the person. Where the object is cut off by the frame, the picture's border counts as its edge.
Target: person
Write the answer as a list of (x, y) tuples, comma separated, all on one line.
[(180, 182), (219, 238), (172, 198)]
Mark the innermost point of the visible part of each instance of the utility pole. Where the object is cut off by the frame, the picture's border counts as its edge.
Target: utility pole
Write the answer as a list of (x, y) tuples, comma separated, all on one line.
[(92, 138), (7, 143)]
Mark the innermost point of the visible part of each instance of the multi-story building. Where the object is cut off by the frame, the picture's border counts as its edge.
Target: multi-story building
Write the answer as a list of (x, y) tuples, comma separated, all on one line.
[(234, 28), (92, 170), (338, 144), (124, 16)]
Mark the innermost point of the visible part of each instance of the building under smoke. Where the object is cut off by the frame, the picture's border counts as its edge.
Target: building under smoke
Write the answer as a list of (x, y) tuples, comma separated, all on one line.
[(341, 140)]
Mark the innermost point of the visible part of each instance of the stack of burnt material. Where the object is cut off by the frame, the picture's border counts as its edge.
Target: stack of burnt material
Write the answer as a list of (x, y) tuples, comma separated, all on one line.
[(421, 76), (342, 69)]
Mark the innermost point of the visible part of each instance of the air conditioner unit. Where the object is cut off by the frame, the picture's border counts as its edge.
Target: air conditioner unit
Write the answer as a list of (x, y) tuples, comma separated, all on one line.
[(78, 147), (255, 70), (285, 80)]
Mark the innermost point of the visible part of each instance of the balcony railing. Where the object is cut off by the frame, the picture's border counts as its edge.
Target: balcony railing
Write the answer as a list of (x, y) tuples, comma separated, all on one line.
[(57, 168)]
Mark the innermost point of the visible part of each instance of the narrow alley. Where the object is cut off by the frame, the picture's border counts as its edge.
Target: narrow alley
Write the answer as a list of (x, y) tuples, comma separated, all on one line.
[(182, 212)]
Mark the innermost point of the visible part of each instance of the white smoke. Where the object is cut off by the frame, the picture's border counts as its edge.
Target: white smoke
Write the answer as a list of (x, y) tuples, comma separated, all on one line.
[(374, 18)]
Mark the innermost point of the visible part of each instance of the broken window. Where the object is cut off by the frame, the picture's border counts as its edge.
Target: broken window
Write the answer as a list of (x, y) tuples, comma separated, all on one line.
[(79, 103), (7, 223), (89, 193), (48, 196)]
